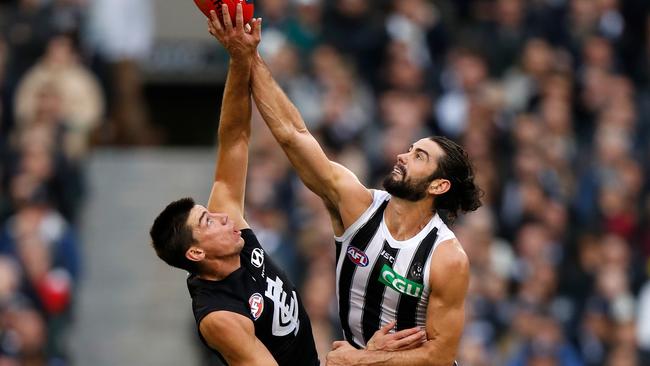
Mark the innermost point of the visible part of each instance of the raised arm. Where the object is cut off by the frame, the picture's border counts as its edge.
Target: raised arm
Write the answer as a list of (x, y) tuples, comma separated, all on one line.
[(344, 196), (449, 280), (233, 336), (240, 40)]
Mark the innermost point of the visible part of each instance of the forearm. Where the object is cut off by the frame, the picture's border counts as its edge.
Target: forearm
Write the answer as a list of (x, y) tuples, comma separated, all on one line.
[(281, 116), (236, 104), (423, 356)]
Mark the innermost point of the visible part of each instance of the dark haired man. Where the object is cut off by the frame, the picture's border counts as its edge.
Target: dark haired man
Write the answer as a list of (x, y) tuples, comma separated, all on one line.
[(246, 309), (396, 260)]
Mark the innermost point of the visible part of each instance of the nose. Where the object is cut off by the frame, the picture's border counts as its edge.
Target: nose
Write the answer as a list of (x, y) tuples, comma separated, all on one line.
[(401, 158)]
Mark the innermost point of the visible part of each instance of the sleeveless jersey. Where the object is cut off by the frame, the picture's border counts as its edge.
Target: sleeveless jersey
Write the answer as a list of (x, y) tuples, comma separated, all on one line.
[(380, 279), (260, 291)]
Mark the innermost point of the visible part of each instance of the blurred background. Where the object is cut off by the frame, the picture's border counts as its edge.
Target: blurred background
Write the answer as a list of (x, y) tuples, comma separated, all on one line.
[(109, 110)]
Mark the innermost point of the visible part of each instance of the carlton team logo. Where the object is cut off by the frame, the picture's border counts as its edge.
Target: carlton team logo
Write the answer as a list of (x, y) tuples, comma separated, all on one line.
[(357, 256), (256, 304)]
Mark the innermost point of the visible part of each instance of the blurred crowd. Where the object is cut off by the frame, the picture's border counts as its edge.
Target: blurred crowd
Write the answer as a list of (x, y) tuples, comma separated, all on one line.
[(550, 98), (61, 63)]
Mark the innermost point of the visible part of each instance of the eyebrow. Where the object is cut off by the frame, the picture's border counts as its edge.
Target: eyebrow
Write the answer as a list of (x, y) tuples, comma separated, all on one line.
[(202, 215), (423, 151)]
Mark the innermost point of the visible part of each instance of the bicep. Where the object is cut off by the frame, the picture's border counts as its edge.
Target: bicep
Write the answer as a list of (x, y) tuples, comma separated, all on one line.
[(233, 336), (449, 280)]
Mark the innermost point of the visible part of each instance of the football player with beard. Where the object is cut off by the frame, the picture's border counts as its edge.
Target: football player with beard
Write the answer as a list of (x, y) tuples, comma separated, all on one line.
[(398, 265)]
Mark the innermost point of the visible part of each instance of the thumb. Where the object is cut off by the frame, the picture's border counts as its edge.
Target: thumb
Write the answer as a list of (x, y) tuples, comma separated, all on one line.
[(386, 328), (338, 344)]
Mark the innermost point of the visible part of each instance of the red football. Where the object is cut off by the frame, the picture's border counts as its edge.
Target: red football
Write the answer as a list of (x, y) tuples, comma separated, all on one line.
[(247, 6)]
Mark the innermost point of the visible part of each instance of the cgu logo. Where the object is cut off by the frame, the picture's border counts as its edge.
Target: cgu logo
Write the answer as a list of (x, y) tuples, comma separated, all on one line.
[(357, 256), (398, 283)]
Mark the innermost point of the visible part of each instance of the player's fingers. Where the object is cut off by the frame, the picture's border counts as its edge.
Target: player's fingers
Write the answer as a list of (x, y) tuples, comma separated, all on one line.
[(405, 333), (386, 328), (411, 346), (250, 27), (338, 344), (239, 17), (417, 343), (226, 17), (410, 341), (210, 28), (257, 29), (214, 21)]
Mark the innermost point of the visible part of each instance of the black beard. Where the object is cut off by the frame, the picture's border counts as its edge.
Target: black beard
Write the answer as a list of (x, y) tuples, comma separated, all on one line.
[(405, 189)]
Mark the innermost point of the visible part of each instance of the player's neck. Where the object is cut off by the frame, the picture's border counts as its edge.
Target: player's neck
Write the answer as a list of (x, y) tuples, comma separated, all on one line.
[(218, 269), (405, 219)]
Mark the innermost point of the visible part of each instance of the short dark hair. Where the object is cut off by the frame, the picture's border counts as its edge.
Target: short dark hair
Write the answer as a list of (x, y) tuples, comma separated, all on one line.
[(456, 167), (172, 237)]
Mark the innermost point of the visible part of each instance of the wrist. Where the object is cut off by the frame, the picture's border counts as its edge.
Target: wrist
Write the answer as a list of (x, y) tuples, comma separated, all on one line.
[(257, 58), (240, 60)]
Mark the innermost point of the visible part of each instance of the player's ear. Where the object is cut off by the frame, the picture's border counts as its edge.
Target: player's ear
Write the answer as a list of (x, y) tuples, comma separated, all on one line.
[(439, 186), (195, 254)]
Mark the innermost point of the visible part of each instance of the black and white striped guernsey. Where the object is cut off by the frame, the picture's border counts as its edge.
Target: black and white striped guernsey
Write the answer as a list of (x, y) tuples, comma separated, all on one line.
[(380, 279)]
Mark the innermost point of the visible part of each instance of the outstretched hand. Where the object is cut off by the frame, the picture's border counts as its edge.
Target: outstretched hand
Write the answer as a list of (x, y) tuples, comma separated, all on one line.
[(403, 340), (240, 39)]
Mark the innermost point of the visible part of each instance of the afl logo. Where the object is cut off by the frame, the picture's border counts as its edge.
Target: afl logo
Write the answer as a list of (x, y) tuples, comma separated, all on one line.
[(357, 256), (256, 304)]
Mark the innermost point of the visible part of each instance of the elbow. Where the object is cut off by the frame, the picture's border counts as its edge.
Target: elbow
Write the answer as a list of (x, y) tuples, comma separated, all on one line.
[(444, 363), (437, 361), (288, 138), (438, 357), (241, 138), (285, 139)]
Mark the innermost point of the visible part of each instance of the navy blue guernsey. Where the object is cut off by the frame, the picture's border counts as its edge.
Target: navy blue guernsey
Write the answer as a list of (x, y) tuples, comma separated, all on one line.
[(262, 292)]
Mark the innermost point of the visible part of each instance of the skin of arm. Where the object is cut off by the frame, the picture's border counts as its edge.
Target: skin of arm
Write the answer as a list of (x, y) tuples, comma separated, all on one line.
[(240, 347), (341, 191), (227, 194), (449, 280)]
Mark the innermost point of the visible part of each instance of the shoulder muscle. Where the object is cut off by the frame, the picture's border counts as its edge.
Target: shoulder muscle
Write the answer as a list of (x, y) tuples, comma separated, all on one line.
[(449, 275)]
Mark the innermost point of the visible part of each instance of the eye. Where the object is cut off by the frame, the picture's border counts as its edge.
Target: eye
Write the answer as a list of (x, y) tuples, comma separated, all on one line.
[(209, 221), (419, 156)]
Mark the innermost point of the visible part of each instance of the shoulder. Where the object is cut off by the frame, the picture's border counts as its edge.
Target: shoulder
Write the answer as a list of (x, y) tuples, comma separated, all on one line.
[(215, 296), (450, 255), (449, 267)]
